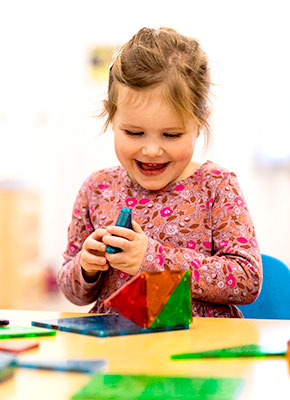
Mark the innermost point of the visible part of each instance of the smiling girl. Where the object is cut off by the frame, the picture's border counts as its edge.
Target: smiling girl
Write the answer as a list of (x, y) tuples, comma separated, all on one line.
[(185, 215)]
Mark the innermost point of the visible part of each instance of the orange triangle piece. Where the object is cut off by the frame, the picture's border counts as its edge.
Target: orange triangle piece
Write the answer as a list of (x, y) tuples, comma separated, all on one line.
[(131, 301), (160, 286)]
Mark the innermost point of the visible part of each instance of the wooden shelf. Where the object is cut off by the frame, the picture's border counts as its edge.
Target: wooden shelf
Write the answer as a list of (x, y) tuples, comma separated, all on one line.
[(21, 269)]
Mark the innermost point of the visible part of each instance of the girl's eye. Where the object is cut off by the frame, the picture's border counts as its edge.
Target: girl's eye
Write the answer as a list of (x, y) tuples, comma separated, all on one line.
[(133, 133), (172, 135)]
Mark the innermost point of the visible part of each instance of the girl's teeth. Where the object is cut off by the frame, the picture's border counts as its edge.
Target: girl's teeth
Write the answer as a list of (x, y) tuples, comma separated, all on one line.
[(151, 166)]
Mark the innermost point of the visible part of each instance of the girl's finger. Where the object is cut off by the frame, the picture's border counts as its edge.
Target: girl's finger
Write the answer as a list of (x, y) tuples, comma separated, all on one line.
[(116, 241), (93, 269), (98, 234), (137, 228), (91, 244), (121, 232), (93, 259)]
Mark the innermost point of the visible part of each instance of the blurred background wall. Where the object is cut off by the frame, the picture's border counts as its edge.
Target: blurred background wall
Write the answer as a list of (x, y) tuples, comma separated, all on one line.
[(50, 139)]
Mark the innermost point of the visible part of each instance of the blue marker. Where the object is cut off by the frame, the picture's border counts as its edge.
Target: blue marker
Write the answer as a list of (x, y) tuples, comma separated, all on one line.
[(124, 220)]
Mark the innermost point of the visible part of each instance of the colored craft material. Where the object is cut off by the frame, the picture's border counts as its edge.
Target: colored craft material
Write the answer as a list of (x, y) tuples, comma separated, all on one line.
[(152, 301), (6, 366), (84, 366), (251, 350), (4, 322), (155, 299), (131, 301), (146, 387), (288, 355), (124, 220), (91, 366), (17, 346), (101, 325), (22, 331)]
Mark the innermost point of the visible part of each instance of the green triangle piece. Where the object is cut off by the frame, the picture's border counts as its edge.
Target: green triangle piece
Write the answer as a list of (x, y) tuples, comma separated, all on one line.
[(250, 350), (146, 387), (177, 310), (24, 331), (160, 285)]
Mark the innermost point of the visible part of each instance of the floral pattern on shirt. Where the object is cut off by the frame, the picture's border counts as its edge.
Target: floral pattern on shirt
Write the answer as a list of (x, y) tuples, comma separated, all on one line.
[(201, 223)]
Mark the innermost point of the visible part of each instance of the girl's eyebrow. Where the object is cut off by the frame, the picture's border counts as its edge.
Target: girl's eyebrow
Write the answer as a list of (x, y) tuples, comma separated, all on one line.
[(130, 126), (172, 128)]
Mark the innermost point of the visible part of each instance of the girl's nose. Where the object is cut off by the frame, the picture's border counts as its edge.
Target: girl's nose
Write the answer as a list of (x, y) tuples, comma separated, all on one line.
[(152, 149)]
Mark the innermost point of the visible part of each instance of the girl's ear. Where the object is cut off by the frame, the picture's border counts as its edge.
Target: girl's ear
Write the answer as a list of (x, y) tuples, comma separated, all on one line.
[(207, 113)]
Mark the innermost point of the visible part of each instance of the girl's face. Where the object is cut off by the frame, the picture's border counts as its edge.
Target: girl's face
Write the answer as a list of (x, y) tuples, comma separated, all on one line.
[(152, 142)]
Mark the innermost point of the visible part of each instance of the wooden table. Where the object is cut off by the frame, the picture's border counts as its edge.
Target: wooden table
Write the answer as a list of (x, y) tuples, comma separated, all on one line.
[(266, 378)]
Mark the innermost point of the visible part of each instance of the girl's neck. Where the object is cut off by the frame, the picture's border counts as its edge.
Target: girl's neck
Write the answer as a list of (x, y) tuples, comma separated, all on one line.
[(189, 170)]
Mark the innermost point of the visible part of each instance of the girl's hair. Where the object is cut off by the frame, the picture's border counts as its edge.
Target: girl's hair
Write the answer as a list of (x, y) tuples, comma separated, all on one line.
[(164, 58)]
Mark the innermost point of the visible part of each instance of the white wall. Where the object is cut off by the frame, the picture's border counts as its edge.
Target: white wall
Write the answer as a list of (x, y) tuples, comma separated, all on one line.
[(49, 138)]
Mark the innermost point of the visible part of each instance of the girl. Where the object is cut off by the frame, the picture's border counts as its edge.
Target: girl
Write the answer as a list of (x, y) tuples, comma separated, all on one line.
[(185, 215)]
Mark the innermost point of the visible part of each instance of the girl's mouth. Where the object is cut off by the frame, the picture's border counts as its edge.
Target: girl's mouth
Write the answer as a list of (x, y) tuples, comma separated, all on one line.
[(151, 169)]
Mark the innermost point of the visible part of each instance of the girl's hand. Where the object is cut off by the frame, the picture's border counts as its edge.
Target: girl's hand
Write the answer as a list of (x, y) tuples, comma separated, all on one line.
[(92, 258), (133, 243)]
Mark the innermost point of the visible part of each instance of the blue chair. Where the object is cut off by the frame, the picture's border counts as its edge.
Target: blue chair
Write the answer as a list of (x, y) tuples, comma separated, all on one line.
[(274, 299)]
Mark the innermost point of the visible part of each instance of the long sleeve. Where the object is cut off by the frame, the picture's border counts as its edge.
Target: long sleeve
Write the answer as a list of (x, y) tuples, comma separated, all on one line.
[(70, 278), (222, 250), (201, 223)]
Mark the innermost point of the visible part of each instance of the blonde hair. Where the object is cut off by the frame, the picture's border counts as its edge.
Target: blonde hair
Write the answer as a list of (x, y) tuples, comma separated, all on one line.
[(165, 58)]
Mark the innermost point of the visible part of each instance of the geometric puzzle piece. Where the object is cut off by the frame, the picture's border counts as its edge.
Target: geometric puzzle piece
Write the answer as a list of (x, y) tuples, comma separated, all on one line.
[(102, 325), (17, 346), (124, 220), (6, 366), (147, 387), (250, 350), (144, 298), (23, 331), (177, 310), (160, 285), (73, 365), (130, 300)]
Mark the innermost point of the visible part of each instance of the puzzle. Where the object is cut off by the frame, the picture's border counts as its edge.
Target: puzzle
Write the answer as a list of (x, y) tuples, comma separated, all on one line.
[(146, 387), (250, 350), (101, 325), (17, 346), (155, 299), (124, 220), (150, 302), (74, 365), (6, 366), (23, 331)]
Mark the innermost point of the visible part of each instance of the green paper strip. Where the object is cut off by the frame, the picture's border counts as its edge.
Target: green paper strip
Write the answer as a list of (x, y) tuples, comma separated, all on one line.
[(145, 387), (251, 350), (23, 331)]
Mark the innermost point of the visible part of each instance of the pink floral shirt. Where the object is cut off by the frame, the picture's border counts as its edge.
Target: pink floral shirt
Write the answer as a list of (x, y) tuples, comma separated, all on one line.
[(201, 223)]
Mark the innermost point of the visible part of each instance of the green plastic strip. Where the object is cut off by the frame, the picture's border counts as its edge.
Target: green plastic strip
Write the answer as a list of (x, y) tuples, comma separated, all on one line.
[(145, 387), (23, 331), (251, 350)]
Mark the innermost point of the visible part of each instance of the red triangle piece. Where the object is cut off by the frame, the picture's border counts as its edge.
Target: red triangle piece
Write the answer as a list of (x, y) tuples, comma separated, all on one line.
[(130, 300)]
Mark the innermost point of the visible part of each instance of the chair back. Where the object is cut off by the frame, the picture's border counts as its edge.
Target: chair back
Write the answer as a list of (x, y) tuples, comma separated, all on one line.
[(274, 299)]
